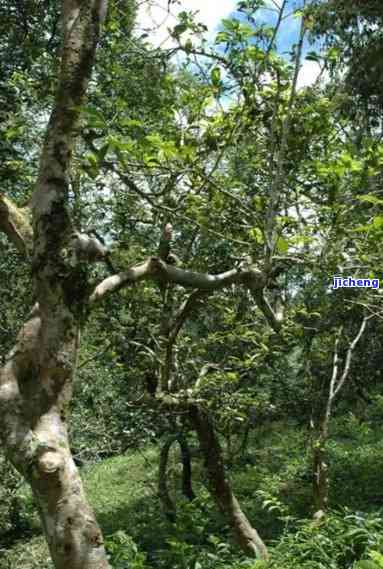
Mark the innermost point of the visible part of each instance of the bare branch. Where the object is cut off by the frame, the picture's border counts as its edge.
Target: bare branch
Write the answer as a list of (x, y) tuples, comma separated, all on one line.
[(334, 377), (281, 10), (156, 269), (116, 282), (14, 222), (350, 353), (203, 281), (184, 312), (278, 179), (335, 384), (274, 319)]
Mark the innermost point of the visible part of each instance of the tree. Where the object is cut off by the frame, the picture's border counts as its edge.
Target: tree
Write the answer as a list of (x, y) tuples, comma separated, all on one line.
[(281, 168), (36, 381)]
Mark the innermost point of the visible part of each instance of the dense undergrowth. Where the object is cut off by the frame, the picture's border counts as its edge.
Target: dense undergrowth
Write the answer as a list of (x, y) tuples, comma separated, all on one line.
[(273, 481)]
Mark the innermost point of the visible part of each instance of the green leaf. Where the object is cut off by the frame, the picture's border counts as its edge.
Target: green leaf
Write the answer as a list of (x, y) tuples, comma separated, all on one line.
[(215, 75), (222, 37), (92, 159), (366, 565), (131, 122), (179, 29), (232, 376), (370, 198), (282, 245), (94, 118), (102, 153), (333, 54), (377, 557), (313, 56), (230, 24), (257, 235), (188, 46), (378, 222)]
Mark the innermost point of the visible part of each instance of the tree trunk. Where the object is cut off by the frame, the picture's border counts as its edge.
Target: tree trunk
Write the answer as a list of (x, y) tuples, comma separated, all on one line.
[(36, 381), (35, 389), (320, 471), (163, 491), (321, 426), (246, 536), (187, 489), (320, 482)]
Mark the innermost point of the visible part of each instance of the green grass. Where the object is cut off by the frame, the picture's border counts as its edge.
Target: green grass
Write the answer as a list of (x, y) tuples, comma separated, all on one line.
[(122, 490), (116, 489), (120, 487)]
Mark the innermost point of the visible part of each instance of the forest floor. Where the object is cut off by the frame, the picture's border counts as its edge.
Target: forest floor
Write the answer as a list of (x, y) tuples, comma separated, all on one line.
[(272, 479)]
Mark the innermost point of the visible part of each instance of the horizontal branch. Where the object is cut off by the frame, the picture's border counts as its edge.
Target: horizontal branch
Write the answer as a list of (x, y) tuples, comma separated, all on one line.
[(116, 282), (157, 270)]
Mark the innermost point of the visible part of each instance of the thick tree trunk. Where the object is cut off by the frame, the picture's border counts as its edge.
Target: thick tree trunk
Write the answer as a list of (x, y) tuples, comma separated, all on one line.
[(35, 389), (36, 381), (246, 536)]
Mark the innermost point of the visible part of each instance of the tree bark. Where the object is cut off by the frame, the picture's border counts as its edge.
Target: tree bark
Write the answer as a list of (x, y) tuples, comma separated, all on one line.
[(34, 394), (187, 489), (246, 536), (163, 491), (320, 473), (36, 381)]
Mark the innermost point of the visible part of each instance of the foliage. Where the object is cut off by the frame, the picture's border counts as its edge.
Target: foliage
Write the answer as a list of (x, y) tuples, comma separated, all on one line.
[(124, 552), (251, 171), (123, 492), (336, 542)]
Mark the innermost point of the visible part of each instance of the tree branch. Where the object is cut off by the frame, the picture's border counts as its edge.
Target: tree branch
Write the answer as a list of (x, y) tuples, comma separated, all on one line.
[(156, 269), (184, 312), (116, 282), (334, 377), (273, 318), (14, 222), (350, 351)]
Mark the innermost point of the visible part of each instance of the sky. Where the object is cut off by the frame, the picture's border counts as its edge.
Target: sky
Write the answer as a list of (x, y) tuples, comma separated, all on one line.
[(154, 16)]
